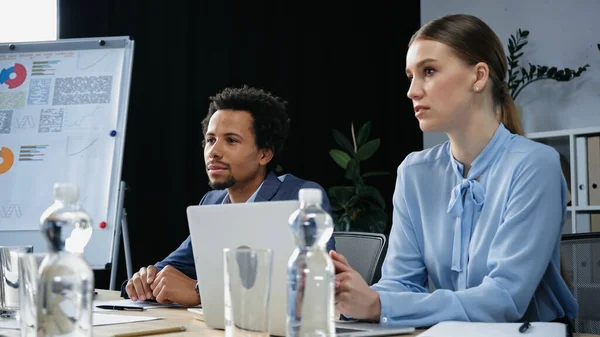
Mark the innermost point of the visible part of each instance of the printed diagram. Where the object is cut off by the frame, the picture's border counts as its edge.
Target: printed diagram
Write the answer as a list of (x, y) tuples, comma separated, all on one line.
[(82, 90), (7, 159), (5, 121), (12, 100), (11, 211), (13, 76), (39, 91), (32, 152), (81, 120), (77, 145), (25, 122), (87, 64), (51, 120)]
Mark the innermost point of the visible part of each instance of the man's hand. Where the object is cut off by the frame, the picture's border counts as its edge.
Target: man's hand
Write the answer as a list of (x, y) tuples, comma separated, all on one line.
[(173, 286), (138, 287), (353, 296)]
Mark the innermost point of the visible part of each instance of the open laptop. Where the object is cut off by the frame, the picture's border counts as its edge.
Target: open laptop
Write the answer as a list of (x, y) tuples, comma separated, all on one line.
[(256, 225)]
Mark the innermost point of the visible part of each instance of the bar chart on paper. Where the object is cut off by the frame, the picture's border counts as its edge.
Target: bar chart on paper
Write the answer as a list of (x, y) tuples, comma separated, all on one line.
[(32, 152), (43, 68)]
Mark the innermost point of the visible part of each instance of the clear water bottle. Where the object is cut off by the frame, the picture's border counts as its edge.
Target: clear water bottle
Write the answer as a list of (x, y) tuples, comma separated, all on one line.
[(311, 274), (66, 284)]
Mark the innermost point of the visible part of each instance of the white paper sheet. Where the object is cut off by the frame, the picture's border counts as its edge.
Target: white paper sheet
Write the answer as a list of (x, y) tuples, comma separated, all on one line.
[(468, 329), (98, 319), (198, 313), (107, 319), (6, 323)]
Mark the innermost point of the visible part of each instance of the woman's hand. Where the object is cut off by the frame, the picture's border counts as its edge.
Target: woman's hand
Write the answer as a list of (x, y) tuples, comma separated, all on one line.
[(353, 296)]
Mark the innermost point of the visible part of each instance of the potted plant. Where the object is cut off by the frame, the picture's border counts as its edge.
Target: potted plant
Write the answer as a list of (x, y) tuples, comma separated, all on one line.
[(358, 206), (519, 77)]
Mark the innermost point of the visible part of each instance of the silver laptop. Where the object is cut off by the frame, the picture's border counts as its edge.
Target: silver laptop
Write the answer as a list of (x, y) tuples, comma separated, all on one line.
[(256, 225)]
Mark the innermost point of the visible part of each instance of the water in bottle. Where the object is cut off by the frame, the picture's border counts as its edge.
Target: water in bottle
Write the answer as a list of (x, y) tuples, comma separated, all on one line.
[(66, 284), (311, 274)]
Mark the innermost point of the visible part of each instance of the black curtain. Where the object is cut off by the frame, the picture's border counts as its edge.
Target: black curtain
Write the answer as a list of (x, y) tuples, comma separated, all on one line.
[(334, 65)]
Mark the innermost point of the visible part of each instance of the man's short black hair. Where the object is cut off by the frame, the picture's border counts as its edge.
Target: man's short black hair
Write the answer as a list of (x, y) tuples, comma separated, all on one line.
[(270, 122)]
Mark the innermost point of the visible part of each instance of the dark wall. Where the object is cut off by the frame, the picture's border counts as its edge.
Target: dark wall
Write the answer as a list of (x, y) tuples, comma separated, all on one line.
[(333, 66)]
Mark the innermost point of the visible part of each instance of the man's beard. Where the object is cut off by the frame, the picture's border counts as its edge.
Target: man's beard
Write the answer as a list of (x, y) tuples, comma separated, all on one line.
[(218, 185)]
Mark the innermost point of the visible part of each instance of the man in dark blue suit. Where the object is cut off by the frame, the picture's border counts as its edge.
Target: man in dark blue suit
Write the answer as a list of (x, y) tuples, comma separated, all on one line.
[(244, 134)]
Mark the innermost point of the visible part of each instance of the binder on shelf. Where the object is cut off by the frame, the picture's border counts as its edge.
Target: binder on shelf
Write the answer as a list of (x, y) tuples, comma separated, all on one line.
[(595, 224), (593, 154), (583, 223), (568, 225), (581, 173)]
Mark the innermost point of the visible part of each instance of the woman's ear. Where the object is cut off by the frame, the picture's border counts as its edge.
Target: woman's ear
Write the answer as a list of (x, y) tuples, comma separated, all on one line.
[(482, 75)]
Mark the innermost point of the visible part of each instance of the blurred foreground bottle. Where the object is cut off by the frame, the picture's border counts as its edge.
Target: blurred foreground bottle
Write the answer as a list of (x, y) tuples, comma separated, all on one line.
[(66, 284)]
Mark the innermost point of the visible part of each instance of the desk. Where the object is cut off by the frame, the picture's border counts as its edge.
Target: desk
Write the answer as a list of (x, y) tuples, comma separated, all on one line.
[(172, 317)]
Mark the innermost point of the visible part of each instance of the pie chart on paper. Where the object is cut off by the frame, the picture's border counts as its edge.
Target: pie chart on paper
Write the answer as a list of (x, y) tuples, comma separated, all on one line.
[(8, 158)]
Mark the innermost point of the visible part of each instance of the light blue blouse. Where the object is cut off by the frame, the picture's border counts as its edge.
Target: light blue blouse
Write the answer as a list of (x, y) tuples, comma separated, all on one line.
[(490, 243)]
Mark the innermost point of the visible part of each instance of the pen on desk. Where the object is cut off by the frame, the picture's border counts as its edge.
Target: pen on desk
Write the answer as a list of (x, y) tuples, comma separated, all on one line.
[(120, 307), (524, 327), (150, 332)]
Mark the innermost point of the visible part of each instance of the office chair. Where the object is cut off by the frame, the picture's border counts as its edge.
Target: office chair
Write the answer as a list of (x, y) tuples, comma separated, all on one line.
[(581, 261), (363, 251)]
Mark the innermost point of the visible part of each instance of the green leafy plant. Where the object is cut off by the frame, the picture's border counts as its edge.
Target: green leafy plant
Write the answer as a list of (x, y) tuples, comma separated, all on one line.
[(358, 207), (520, 77)]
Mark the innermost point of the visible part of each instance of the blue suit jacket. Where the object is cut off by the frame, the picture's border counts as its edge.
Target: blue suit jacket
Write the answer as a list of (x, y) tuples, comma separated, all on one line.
[(274, 188)]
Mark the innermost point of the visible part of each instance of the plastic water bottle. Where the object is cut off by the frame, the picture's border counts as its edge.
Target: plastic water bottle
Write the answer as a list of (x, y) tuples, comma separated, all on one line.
[(66, 284), (311, 274)]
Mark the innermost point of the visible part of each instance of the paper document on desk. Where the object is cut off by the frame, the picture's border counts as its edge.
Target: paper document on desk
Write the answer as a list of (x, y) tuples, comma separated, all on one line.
[(9, 323), (468, 329), (98, 320), (138, 304), (107, 319), (198, 313)]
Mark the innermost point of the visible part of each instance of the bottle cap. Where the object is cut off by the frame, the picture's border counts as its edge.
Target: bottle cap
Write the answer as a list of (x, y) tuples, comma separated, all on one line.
[(66, 193), (311, 195)]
